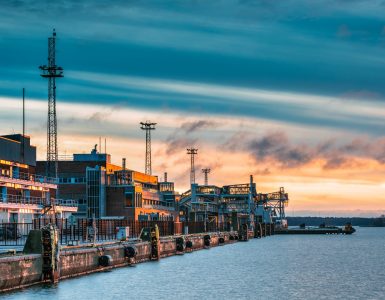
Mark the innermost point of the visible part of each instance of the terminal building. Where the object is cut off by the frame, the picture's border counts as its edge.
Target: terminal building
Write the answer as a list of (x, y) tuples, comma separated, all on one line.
[(221, 205), (231, 205), (24, 195), (105, 190)]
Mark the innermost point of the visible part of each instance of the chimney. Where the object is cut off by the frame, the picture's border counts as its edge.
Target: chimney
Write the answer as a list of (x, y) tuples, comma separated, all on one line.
[(124, 163), (165, 177)]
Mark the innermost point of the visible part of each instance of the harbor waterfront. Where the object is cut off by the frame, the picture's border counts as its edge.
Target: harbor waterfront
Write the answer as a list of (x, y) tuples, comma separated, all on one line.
[(278, 267), (192, 150)]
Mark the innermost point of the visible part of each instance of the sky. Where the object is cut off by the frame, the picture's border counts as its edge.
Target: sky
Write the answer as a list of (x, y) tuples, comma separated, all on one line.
[(292, 92)]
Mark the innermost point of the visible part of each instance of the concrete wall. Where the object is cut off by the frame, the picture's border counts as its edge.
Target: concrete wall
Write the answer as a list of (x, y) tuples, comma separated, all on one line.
[(18, 271), (86, 260)]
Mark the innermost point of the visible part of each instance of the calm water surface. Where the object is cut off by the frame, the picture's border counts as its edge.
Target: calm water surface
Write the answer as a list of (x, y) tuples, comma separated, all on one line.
[(277, 267)]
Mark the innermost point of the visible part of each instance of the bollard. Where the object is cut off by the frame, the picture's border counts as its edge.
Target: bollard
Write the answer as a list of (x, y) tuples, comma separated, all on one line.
[(243, 233)]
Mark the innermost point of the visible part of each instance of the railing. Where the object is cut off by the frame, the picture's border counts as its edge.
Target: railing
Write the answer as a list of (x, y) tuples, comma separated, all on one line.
[(202, 207), (14, 234), (32, 177), (25, 200), (160, 207), (82, 230), (65, 157), (15, 199), (66, 202)]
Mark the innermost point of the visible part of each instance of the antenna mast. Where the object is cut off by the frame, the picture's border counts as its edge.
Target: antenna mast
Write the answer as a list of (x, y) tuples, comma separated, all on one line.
[(206, 172), (148, 126), (51, 71), (192, 152), (23, 142)]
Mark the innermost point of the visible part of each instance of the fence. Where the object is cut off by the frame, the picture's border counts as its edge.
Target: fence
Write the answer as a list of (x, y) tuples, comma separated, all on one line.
[(14, 234), (82, 230)]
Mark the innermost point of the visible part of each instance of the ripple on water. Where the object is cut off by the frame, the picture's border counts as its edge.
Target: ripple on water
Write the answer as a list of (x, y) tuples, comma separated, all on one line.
[(278, 267)]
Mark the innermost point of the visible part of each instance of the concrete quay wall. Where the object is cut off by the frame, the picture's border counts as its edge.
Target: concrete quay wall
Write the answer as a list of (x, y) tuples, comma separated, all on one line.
[(24, 270)]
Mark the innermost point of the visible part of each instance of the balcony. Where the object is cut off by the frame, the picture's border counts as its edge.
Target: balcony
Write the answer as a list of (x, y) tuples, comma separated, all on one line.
[(159, 207), (12, 201), (30, 179)]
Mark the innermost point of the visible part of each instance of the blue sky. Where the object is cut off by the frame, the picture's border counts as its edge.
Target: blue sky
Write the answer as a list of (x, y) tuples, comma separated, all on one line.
[(308, 76), (327, 48)]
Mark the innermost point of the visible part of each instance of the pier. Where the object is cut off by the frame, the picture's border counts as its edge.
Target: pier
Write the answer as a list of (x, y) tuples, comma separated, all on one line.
[(30, 267)]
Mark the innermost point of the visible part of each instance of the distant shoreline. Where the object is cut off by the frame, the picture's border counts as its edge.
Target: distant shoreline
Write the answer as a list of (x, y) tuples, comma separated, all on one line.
[(336, 221)]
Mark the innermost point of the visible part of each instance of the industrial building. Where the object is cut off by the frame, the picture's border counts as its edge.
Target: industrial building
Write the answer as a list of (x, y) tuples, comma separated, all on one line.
[(139, 196), (83, 177), (232, 204), (24, 194), (105, 190)]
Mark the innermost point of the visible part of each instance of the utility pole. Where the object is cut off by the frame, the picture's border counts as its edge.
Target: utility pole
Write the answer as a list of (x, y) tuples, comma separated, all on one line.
[(148, 126), (23, 143), (250, 202), (51, 71), (192, 152), (206, 172)]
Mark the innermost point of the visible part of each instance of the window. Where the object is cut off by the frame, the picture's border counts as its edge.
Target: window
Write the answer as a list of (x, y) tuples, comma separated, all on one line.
[(129, 199)]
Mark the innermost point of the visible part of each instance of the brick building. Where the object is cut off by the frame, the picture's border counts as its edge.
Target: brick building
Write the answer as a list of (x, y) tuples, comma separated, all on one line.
[(104, 190), (138, 196)]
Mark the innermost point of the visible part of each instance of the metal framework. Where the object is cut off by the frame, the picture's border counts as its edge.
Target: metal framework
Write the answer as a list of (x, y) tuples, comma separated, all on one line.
[(276, 200), (192, 152), (51, 71), (206, 172), (148, 126)]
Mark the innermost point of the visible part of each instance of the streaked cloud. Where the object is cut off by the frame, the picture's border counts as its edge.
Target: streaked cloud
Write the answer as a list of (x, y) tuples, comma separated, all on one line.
[(292, 91)]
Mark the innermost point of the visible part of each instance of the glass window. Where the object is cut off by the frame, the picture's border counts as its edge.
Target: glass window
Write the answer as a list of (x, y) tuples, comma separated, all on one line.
[(129, 199)]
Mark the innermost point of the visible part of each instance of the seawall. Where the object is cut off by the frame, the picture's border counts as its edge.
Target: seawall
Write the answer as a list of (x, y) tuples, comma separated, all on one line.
[(21, 271)]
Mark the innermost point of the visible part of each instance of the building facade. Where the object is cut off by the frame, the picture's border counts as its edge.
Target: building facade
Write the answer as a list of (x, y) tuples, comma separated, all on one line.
[(24, 195), (83, 177), (105, 190), (138, 196)]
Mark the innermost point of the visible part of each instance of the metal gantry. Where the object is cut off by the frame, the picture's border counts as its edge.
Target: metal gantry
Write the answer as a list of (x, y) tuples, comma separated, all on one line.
[(148, 126), (192, 152), (206, 171), (51, 71)]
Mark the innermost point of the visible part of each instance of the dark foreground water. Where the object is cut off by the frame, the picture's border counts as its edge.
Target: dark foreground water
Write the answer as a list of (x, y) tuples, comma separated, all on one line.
[(277, 267)]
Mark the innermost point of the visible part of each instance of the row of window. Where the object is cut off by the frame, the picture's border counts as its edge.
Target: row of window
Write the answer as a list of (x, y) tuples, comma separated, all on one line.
[(4, 172), (72, 180)]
